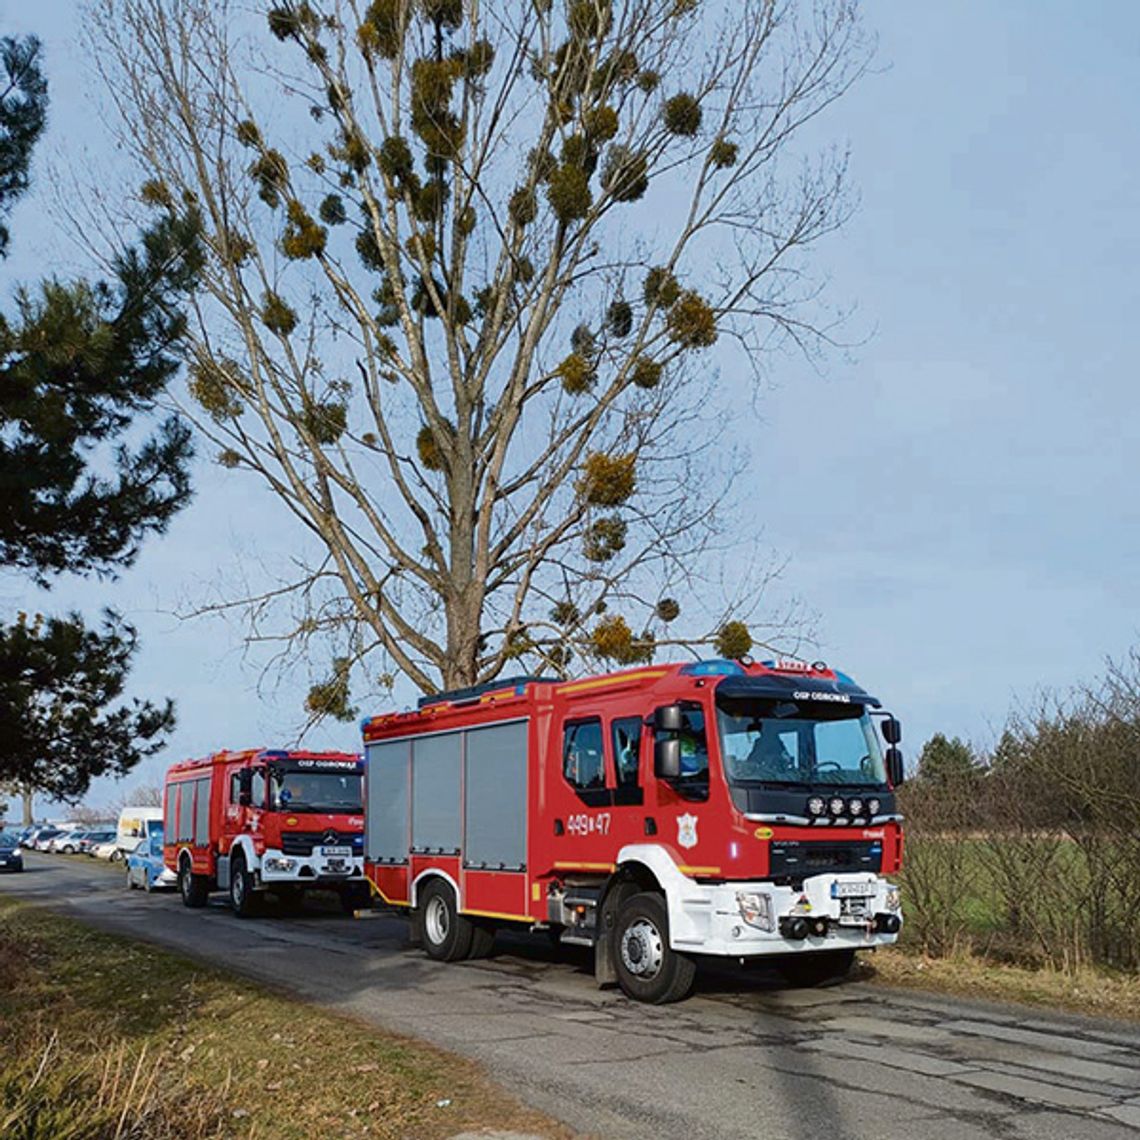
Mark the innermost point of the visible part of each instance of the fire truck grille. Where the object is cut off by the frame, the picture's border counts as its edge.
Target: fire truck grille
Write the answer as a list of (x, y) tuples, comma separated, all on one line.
[(303, 842), (799, 860)]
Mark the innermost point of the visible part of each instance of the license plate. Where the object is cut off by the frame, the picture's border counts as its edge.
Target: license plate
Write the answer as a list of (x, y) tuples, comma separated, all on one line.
[(852, 890), (337, 852)]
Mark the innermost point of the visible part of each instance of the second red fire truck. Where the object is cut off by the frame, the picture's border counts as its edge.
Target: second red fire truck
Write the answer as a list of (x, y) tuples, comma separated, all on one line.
[(256, 821), (737, 810)]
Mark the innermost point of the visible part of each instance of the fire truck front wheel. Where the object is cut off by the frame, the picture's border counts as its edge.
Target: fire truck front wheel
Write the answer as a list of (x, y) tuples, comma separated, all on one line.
[(242, 897), (193, 888), (447, 935), (648, 969)]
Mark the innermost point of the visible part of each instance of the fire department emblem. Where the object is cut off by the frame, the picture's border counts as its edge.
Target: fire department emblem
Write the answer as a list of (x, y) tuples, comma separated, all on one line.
[(687, 830)]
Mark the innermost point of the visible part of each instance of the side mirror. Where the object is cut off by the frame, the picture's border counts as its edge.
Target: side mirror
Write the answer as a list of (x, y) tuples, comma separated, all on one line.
[(895, 772), (667, 759), (668, 718), (245, 787), (892, 730)]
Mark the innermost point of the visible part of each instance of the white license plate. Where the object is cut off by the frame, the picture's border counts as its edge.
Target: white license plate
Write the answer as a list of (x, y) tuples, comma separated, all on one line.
[(337, 852), (852, 890)]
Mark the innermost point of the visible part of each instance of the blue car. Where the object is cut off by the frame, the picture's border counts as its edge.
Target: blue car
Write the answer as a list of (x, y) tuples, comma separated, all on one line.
[(11, 858), (145, 867)]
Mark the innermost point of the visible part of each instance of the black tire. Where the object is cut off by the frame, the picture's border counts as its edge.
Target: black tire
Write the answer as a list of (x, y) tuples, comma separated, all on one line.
[(446, 935), (242, 897), (818, 968), (194, 889), (648, 969)]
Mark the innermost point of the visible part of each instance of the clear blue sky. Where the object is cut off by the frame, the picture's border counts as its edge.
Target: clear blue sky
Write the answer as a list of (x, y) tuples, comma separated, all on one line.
[(956, 499)]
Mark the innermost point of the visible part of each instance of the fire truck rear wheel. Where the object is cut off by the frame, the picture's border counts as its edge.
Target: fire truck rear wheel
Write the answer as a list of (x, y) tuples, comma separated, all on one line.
[(242, 897), (447, 936), (817, 969), (191, 887), (648, 969)]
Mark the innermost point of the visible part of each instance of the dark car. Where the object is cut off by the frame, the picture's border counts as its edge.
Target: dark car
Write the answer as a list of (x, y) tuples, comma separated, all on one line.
[(11, 858)]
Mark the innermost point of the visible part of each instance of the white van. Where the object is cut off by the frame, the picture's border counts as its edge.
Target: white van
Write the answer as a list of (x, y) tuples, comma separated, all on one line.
[(136, 823)]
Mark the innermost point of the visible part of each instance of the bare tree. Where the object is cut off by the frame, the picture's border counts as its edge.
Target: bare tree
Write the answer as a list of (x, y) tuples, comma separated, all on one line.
[(465, 262)]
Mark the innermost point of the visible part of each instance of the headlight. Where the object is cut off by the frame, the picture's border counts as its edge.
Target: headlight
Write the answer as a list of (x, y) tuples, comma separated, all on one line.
[(756, 909), (835, 806), (873, 807), (816, 805), (893, 902), (273, 863), (855, 806)]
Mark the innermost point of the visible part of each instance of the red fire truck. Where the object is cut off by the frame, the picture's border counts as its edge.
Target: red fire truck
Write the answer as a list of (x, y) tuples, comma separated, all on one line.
[(719, 808), (256, 821)]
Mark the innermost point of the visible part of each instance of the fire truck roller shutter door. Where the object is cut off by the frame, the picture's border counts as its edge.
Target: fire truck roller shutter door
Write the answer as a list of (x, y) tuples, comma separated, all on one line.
[(435, 794), (386, 822), (496, 784), (202, 813)]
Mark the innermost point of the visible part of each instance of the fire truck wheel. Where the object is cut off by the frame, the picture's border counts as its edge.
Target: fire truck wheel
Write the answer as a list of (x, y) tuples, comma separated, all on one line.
[(648, 969), (191, 887), (445, 933), (807, 970), (242, 897)]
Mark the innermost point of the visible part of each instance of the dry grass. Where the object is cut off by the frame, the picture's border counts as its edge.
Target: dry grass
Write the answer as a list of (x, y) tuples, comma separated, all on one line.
[(1095, 992), (106, 1039)]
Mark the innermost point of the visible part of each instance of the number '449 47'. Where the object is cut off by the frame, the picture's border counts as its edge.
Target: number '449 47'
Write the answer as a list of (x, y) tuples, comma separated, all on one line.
[(585, 824)]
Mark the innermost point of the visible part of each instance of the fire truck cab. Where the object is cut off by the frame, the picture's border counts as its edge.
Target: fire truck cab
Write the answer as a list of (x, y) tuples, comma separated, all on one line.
[(255, 821), (720, 808)]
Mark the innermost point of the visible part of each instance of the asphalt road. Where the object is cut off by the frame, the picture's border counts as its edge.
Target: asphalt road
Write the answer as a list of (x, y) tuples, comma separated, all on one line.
[(745, 1057)]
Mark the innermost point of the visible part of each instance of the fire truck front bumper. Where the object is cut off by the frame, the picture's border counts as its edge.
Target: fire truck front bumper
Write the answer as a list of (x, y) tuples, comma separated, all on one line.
[(753, 919), (323, 867)]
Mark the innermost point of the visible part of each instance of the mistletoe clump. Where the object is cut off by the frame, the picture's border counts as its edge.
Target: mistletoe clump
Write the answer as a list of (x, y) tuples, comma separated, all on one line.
[(668, 609), (682, 115), (276, 314), (212, 384), (431, 454), (733, 640), (271, 173), (302, 237), (613, 640), (330, 698), (646, 373), (625, 173), (565, 613), (723, 153), (605, 539), (325, 422), (661, 287), (381, 32), (619, 318), (691, 321), (608, 480), (568, 193), (576, 373)]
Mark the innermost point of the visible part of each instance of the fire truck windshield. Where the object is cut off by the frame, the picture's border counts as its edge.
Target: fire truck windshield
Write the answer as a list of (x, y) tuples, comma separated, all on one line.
[(312, 790), (789, 743)]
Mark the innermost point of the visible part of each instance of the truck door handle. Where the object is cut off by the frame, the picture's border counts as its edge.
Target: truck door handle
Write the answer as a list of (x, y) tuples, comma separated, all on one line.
[(650, 825), (559, 827)]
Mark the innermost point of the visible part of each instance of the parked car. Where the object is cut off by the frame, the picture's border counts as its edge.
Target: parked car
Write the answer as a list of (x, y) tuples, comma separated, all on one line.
[(67, 842), (43, 838), (99, 835), (108, 849), (11, 858), (145, 867)]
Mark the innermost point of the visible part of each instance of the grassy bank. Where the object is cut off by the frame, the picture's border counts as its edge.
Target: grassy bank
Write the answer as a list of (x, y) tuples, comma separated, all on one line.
[(1093, 992), (103, 1038)]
